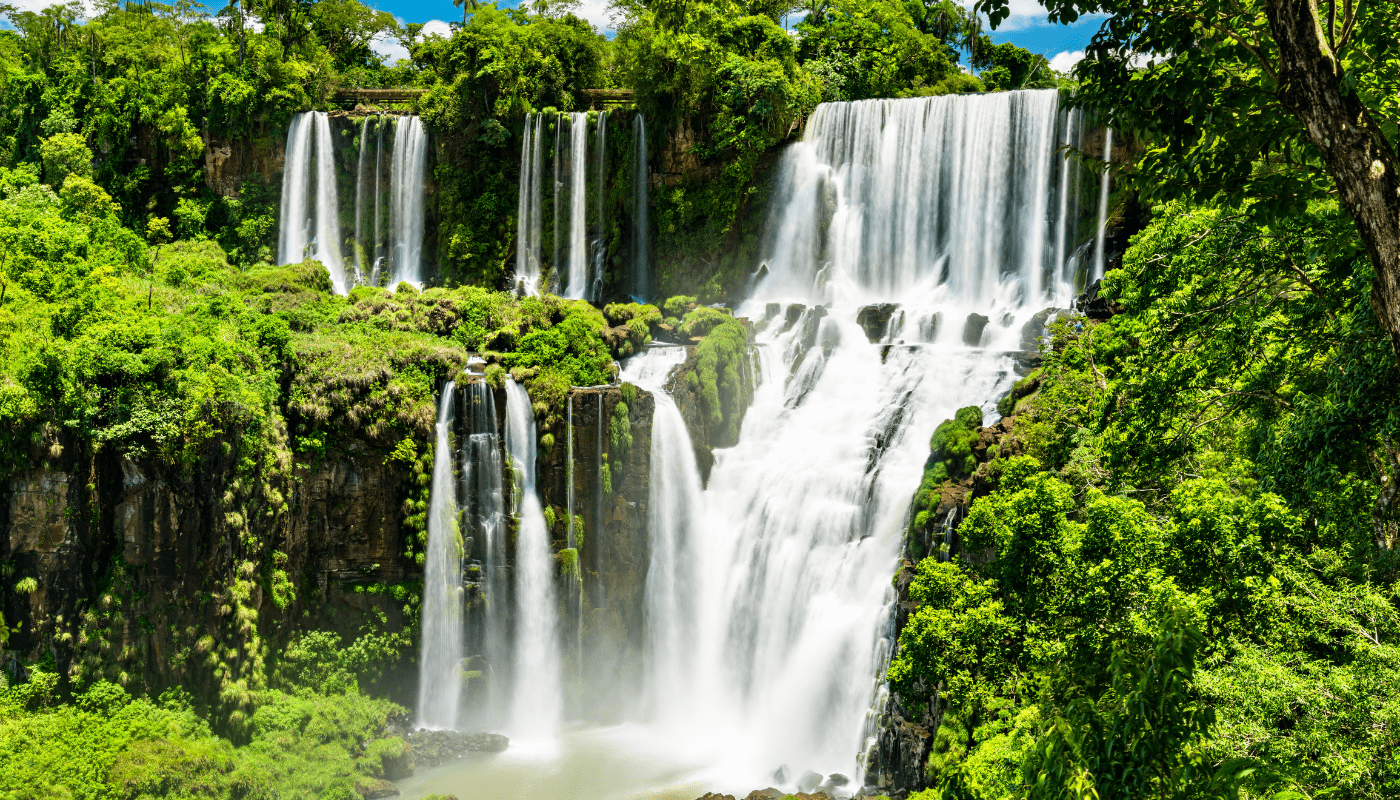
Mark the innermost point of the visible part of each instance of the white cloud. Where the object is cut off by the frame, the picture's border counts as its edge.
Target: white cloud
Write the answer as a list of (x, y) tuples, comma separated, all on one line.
[(1064, 62), (387, 47), (436, 27)]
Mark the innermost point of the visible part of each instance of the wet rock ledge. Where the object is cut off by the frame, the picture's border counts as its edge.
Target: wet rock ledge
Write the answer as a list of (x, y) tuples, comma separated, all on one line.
[(431, 748)]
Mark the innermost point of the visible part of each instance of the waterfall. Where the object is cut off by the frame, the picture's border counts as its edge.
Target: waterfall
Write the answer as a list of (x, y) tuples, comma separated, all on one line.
[(556, 190), (641, 266), (311, 224), (537, 696), (378, 198), (578, 205), (528, 216), (406, 176), (483, 489), (768, 596), (916, 198), (439, 667), (675, 516), (310, 210), (294, 232), (361, 185), (600, 247), (1103, 204), (1064, 227)]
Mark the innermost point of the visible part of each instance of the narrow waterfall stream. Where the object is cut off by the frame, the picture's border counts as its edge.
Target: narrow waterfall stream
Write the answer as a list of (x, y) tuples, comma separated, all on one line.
[(313, 223), (767, 598), (439, 665), (537, 683), (641, 228)]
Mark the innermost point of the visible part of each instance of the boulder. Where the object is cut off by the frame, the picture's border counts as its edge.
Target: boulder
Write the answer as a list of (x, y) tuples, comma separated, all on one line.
[(794, 313), (809, 781), (375, 788), (972, 329), (875, 320), (928, 326)]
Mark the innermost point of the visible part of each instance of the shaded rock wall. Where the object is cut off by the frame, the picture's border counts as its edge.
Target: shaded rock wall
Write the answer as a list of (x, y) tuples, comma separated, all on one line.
[(152, 577)]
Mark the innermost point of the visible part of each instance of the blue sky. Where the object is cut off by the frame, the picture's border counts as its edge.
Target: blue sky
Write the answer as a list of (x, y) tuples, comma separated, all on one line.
[(1026, 27)]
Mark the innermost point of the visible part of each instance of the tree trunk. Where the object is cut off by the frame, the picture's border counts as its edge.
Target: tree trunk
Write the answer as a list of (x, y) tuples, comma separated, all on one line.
[(1356, 154)]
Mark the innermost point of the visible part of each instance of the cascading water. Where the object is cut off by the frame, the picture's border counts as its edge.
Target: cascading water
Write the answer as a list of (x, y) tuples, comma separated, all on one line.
[(537, 685), (641, 175), (440, 663), (1103, 204), (406, 200), (310, 223), (600, 245), (529, 213), (483, 491), (310, 211), (768, 595), (578, 205)]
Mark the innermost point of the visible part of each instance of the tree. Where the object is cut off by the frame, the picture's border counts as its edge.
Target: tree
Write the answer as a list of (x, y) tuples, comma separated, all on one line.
[(1273, 99)]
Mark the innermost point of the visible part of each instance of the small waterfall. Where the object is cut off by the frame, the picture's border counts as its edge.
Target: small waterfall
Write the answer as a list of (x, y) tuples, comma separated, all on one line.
[(600, 246), (439, 667), (362, 269), (529, 222), (328, 206), (406, 175), (295, 231), (537, 697), (483, 488), (641, 228), (676, 513), (310, 211), (557, 192), (1065, 230), (378, 199), (310, 223), (578, 205), (1103, 204)]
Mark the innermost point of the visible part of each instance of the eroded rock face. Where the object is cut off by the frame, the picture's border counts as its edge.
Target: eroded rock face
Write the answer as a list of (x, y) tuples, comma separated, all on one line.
[(228, 163), (615, 554), (875, 320), (972, 329), (166, 558)]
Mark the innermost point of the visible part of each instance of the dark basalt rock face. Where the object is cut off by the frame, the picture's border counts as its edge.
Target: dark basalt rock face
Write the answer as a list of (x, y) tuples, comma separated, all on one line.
[(615, 550), (899, 760), (875, 320), (138, 539), (972, 329)]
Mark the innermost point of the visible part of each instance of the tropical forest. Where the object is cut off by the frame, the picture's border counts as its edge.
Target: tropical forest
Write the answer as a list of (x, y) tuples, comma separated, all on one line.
[(700, 399)]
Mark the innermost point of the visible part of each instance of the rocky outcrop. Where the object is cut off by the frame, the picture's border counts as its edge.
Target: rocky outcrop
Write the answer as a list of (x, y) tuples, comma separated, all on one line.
[(905, 731), (875, 320), (611, 486), (228, 163), (148, 570)]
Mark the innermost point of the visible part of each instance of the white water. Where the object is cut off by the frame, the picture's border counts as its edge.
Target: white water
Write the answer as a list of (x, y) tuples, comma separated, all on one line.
[(537, 701), (769, 592), (482, 487), (310, 211), (641, 265), (406, 185), (529, 212), (600, 244), (439, 667), (578, 205), (1103, 204), (310, 223)]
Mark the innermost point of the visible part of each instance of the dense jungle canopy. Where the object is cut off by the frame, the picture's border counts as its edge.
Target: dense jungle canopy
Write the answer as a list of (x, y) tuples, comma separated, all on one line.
[(1177, 573)]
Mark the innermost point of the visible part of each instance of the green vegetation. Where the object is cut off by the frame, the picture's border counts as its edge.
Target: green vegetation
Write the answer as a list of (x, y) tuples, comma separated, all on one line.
[(1187, 586), (108, 744)]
